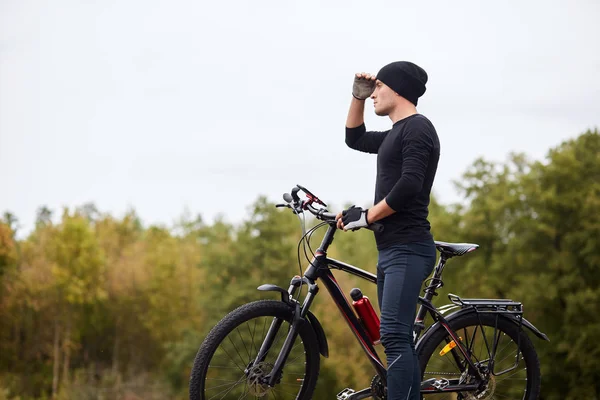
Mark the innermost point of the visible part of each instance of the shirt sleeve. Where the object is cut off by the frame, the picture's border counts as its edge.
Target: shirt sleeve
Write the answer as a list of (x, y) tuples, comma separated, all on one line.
[(359, 139), (416, 151)]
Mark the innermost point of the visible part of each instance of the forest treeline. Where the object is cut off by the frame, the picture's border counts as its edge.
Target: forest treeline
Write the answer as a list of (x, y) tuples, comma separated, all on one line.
[(94, 306)]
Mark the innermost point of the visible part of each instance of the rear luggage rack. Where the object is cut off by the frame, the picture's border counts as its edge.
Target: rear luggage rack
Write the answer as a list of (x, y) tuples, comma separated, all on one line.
[(489, 305)]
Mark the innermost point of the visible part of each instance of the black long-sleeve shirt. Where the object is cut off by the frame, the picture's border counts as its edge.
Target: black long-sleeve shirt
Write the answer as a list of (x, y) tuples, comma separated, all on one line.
[(407, 159)]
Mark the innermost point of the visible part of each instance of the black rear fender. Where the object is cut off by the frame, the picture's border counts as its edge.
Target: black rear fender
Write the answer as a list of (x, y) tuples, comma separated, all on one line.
[(459, 313)]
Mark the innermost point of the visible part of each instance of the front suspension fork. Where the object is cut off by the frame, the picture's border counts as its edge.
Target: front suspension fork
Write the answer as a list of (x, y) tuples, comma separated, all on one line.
[(299, 318)]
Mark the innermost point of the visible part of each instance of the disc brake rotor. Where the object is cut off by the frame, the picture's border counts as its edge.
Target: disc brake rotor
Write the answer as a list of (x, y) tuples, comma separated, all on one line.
[(256, 387)]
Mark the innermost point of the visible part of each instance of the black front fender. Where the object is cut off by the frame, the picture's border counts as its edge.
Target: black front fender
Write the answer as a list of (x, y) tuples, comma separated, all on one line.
[(314, 322), (321, 338), (285, 296)]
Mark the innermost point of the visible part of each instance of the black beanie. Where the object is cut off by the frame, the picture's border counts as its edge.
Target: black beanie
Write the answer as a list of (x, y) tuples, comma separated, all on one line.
[(405, 78)]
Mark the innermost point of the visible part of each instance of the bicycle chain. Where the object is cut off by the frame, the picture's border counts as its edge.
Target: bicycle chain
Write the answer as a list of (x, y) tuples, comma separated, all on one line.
[(442, 373)]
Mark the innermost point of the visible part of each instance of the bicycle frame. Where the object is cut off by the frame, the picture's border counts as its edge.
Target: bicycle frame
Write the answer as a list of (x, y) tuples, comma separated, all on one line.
[(320, 268), (345, 306)]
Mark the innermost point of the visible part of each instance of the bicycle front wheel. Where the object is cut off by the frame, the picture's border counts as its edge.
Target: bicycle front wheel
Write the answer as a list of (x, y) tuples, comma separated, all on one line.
[(502, 352), (226, 365)]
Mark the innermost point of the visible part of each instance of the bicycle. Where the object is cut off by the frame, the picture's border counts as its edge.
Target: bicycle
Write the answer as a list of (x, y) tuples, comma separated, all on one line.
[(448, 342)]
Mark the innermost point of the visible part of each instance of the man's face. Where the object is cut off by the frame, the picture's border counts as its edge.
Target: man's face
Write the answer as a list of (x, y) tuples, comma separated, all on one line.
[(384, 98)]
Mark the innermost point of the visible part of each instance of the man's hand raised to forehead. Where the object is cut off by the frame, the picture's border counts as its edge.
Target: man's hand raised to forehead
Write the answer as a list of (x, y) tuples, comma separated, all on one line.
[(364, 85)]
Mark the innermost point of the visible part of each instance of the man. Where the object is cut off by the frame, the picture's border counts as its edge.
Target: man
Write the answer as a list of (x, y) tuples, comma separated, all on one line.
[(407, 159)]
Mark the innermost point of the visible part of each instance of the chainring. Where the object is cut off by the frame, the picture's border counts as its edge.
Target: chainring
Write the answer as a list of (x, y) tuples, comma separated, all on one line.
[(378, 389)]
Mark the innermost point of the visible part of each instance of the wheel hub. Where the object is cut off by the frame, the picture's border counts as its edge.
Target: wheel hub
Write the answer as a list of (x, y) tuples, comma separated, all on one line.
[(256, 379), (487, 393)]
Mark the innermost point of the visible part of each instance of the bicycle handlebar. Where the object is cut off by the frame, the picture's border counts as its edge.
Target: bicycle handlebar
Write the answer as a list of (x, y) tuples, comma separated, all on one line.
[(294, 202)]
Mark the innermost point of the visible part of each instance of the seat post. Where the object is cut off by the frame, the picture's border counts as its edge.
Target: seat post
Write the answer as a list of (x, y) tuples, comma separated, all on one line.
[(436, 282)]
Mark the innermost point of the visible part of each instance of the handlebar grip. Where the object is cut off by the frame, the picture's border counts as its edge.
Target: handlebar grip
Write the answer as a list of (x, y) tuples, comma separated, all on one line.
[(375, 227)]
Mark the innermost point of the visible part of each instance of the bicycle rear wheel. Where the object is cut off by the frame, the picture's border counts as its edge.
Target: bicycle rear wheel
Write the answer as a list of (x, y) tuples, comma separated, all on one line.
[(225, 367), (502, 351)]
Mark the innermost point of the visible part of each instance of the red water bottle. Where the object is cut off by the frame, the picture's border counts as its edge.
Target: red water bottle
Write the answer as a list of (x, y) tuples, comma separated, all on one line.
[(367, 314)]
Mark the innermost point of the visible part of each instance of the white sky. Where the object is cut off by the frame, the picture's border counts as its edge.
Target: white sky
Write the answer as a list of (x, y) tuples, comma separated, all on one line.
[(163, 105)]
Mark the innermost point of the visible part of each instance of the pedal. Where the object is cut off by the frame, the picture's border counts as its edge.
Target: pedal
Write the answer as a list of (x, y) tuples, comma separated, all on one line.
[(428, 384), (344, 394), (433, 383)]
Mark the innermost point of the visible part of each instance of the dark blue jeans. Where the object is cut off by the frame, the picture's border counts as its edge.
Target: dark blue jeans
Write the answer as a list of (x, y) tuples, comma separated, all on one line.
[(401, 270)]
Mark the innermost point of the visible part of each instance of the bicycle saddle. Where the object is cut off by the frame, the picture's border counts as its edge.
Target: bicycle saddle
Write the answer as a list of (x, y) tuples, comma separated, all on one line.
[(455, 249)]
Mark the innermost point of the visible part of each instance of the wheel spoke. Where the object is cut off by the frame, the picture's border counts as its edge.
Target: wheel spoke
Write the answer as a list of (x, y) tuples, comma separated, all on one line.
[(231, 358), (227, 390), (236, 350)]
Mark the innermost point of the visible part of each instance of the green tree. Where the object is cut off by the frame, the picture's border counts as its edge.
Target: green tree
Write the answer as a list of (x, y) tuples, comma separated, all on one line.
[(556, 254), (78, 272)]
